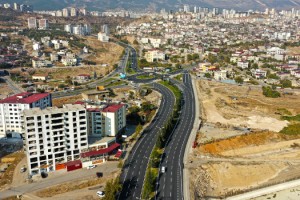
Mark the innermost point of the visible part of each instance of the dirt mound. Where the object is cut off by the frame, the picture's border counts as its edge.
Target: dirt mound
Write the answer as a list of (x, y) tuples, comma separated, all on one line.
[(251, 139)]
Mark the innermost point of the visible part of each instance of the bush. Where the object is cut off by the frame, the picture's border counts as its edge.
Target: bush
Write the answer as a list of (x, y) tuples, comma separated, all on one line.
[(112, 188), (291, 129), (269, 92), (239, 80), (291, 118), (207, 75), (286, 83)]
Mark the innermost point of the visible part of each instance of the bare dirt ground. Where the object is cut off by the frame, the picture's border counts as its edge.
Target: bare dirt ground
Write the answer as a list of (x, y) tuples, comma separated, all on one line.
[(244, 106), (66, 100), (4, 90), (105, 53), (231, 158)]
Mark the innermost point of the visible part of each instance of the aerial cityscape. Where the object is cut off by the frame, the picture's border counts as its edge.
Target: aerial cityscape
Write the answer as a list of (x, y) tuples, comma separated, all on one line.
[(153, 100)]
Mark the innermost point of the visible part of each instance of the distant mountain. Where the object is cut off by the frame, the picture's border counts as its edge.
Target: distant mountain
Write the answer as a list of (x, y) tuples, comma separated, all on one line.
[(101, 5)]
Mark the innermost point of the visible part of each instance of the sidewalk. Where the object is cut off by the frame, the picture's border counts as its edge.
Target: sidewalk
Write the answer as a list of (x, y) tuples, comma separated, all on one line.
[(188, 148), (264, 191)]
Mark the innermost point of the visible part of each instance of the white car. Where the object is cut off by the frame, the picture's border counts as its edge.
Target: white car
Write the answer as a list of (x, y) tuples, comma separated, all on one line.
[(163, 169), (91, 167), (101, 194)]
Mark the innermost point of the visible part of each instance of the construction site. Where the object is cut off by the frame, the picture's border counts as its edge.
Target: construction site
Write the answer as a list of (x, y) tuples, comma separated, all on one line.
[(240, 147)]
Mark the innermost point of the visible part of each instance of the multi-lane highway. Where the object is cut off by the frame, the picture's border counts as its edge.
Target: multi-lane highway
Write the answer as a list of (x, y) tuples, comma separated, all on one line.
[(134, 169), (170, 183)]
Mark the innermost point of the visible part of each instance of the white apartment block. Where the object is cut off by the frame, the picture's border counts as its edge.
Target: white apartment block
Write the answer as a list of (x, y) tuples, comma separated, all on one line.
[(108, 121), (275, 51), (103, 37), (12, 107), (54, 136), (243, 65), (154, 55), (32, 24), (43, 24)]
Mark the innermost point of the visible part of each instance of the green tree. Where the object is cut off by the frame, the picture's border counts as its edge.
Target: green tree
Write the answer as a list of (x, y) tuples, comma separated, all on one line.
[(239, 80), (112, 187), (149, 184), (286, 83), (207, 75), (61, 86), (212, 58), (147, 106), (269, 92), (131, 95)]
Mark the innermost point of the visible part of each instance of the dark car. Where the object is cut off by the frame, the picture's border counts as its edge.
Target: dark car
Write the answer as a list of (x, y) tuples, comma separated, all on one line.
[(44, 175), (99, 174)]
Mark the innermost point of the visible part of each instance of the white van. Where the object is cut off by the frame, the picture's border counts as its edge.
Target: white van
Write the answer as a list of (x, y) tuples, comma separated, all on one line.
[(163, 169)]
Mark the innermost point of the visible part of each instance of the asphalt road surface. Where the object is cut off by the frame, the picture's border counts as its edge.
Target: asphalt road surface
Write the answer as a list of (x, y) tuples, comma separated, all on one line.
[(76, 175), (170, 183), (134, 169)]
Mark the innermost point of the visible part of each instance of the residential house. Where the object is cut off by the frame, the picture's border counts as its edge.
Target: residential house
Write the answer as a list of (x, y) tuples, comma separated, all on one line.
[(243, 65), (220, 75), (42, 77)]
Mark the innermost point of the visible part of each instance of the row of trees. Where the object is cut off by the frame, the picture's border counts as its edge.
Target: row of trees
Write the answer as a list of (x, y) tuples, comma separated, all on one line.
[(165, 132)]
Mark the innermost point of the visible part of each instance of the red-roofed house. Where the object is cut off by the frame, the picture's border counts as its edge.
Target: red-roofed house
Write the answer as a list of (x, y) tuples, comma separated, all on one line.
[(81, 78), (12, 107)]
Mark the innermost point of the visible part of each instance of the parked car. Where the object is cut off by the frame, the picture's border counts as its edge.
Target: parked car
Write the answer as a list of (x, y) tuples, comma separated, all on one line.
[(99, 174), (91, 167), (101, 194), (23, 169), (44, 175)]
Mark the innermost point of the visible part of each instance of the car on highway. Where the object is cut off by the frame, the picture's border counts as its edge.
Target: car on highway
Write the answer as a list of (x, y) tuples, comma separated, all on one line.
[(163, 169), (101, 194), (91, 167)]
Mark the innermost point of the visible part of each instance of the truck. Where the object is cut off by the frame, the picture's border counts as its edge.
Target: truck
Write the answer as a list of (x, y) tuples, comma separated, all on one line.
[(100, 88)]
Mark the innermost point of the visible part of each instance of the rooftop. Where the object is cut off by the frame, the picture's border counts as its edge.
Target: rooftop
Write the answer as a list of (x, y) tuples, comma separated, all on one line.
[(113, 108), (25, 98), (53, 110), (101, 151), (95, 141)]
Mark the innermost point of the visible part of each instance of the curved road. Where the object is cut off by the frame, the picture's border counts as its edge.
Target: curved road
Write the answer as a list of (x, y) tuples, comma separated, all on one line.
[(134, 169), (170, 183)]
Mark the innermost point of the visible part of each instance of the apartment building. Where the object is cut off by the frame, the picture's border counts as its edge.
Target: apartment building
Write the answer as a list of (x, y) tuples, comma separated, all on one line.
[(54, 136), (32, 23), (73, 12), (66, 12), (43, 24), (155, 55), (103, 37), (107, 121), (12, 107)]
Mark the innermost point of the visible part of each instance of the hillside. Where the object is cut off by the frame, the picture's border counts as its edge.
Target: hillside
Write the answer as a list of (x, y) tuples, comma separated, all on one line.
[(158, 4)]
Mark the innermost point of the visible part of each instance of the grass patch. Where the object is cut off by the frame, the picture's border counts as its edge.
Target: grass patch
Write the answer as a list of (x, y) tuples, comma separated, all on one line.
[(130, 71), (9, 173), (283, 111), (145, 77), (178, 77), (116, 83), (291, 118), (291, 129), (173, 88)]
